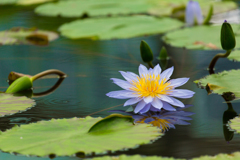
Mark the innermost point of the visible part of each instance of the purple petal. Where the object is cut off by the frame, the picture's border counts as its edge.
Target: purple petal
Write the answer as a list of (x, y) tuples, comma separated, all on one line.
[(121, 83), (198, 13), (157, 103), (181, 93), (156, 70), (148, 99), (176, 102), (139, 106), (132, 101), (167, 73), (142, 70), (165, 98), (122, 94), (128, 76), (193, 11), (168, 107), (145, 109), (154, 109), (178, 82)]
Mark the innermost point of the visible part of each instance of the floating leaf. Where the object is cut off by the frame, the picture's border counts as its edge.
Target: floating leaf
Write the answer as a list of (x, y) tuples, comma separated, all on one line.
[(134, 157), (199, 37), (10, 104), (7, 2), (31, 2), (235, 55), (21, 35), (69, 136), (224, 82), (235, 124), (79, 8), (118, 27), (232, 156)]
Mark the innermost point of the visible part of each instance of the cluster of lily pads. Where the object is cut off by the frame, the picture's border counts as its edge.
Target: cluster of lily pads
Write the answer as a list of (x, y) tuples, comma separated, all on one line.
[(151, 94)]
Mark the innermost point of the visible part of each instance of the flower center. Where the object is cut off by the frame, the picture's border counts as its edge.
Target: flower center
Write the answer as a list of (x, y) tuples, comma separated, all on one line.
[(161, 123), (150, 85)]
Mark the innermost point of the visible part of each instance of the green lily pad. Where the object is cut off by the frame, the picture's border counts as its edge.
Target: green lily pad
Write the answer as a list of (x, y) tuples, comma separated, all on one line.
[(69, 136), (77, 8), (10, 104), (235, 124), (31, 2), (199, 37), (224, 82), (7, 2), (118, 27), (134, 157), (21, 35), (235, 55), (232, 156)]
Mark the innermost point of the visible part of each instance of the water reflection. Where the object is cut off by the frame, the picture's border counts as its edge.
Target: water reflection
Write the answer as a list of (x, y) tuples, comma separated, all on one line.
[(163, 119), (230, 113)]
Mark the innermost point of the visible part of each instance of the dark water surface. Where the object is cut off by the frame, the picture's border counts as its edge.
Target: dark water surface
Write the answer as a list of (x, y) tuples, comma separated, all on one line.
[(90, 65)]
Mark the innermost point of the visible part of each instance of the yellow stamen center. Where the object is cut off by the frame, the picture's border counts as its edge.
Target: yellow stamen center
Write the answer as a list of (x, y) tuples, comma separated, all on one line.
[(150, 85)]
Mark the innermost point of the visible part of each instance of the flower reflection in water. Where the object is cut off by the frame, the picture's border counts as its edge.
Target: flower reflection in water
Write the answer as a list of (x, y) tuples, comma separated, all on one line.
[(163, 119)]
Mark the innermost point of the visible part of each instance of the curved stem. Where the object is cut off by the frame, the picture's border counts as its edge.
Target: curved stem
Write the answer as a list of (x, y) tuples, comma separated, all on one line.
[(150, 64), (47, 72), (215, 58)]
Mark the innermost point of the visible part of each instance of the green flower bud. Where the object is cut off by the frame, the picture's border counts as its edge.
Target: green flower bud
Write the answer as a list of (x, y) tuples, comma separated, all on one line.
[(21, 84), (228, 41), (146, 52)]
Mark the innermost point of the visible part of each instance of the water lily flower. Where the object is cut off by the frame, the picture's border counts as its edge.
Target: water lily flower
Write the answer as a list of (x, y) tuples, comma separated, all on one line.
[(193, 13), (152, 89), (163, 119)]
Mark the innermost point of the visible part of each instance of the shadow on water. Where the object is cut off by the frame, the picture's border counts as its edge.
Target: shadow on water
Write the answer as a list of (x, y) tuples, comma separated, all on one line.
[(91, 64)]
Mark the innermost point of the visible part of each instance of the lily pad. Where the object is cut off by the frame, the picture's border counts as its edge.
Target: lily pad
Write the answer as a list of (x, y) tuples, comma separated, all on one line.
[(134, 157), (19, 35), (10, 104), (232, 156), (78, 8), (235, 55), (7, 2), (199, 37), (69, 136), (221, 83), (31, 2), (118, 27)]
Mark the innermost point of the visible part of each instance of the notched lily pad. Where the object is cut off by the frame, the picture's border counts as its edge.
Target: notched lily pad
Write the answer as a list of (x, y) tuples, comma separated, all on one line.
[(134, 157), (69, 136), (224, 83), (31, 2), (10, 104), (118, 27), (232, 156), (235, 55), (199, 37), (20, 35)]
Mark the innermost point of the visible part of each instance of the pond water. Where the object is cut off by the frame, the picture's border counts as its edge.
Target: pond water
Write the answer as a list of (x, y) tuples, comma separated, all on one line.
[(90, 65)]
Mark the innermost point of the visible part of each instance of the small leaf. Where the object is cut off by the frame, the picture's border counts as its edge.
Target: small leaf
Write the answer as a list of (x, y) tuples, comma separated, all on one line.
[(21, 84)]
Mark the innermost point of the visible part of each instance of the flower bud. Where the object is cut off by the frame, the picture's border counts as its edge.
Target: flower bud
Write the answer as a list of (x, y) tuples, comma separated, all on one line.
[(146, 52), (193, 13), (21, 84), (228, 41)]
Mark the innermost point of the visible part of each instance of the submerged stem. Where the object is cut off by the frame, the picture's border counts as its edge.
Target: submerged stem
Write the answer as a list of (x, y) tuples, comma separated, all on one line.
[(215, 58), (47, 72)]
